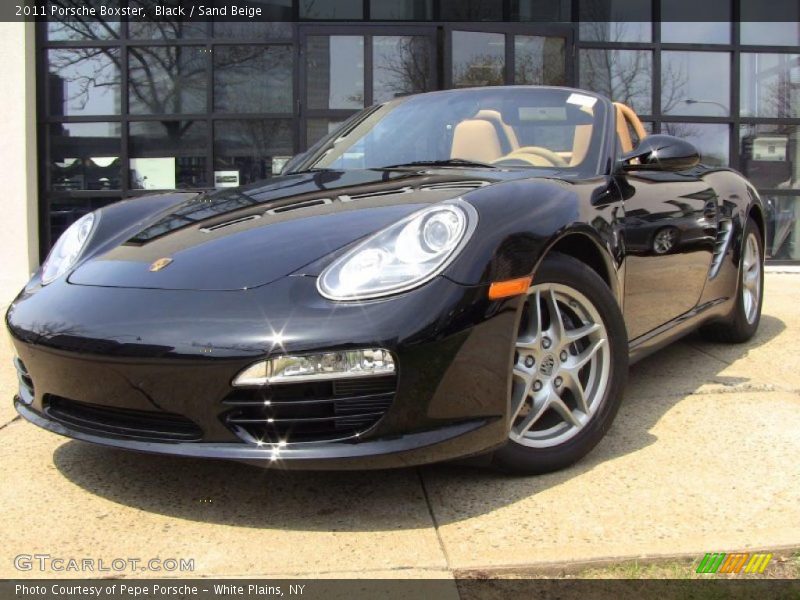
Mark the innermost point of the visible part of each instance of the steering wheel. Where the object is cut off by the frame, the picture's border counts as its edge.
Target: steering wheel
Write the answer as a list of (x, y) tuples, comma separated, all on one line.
[(545, 153)]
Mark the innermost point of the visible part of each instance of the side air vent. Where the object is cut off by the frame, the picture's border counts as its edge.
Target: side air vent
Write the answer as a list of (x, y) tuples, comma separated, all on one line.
[(351, 197), (219, 226), (723, 240), (299, 205), (453, 185)]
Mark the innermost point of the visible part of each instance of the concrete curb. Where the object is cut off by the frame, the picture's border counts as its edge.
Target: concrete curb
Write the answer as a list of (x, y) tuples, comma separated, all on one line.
[(560, 568)]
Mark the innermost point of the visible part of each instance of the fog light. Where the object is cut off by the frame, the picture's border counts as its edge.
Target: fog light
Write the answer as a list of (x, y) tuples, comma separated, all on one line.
[(369, 362)]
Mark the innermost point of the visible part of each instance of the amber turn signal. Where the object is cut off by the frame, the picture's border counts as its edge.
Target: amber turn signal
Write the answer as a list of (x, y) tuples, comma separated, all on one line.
[(510, 287)]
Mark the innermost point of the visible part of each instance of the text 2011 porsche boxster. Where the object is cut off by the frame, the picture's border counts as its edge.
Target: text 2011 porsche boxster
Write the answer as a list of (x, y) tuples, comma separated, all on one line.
[(452, 274)]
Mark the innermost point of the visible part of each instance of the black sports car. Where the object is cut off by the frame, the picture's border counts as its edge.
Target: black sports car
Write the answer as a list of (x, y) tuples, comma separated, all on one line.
[(450, 274)]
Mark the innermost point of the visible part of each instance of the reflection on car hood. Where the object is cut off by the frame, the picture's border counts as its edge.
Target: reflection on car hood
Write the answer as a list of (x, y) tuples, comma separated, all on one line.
[(246, 237)]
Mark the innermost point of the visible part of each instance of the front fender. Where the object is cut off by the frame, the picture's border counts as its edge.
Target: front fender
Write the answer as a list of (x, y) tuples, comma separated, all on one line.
[(519, 221)]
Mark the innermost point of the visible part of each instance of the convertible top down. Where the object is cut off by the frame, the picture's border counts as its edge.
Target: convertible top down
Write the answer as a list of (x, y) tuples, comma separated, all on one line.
[(452, 274)]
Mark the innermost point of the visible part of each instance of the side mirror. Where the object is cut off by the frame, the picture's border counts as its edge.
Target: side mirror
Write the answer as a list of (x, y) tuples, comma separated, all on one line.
[(661, 153)]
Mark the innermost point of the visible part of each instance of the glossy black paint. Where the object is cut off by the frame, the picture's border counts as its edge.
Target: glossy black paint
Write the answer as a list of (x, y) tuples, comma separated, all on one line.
[(242, 287), (661, 153)]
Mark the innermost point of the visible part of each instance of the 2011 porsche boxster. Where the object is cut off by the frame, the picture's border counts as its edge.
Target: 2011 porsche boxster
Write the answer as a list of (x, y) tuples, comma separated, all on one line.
[(452, 274)]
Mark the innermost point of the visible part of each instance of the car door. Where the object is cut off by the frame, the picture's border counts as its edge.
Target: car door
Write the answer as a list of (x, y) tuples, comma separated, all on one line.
[(669, 231)]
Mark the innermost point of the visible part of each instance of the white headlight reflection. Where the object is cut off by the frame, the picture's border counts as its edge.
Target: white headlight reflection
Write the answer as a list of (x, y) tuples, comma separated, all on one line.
[(401, 256)]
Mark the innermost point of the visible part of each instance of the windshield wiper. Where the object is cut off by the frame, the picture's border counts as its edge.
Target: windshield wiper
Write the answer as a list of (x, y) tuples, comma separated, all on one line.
[(445, 162)]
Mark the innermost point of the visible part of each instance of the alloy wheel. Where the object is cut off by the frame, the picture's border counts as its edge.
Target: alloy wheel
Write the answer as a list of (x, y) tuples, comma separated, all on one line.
[(562, 364), (665, 240), (751, 278)]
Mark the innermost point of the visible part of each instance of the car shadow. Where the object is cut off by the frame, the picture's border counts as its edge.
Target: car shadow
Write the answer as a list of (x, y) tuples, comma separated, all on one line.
[(241, 495)]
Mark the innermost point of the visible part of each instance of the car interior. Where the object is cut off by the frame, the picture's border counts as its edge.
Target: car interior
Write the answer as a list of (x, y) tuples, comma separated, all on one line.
[(487, 137)]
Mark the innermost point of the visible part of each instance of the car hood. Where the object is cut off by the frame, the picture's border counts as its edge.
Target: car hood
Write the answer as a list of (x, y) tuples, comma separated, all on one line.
[(241, 238)]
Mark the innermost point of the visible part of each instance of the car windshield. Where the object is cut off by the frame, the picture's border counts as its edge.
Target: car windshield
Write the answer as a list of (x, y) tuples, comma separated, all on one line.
[(521, 127)]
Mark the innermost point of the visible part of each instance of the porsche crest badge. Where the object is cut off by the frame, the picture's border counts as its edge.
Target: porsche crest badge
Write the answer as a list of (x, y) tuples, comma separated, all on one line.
[(161, 263)]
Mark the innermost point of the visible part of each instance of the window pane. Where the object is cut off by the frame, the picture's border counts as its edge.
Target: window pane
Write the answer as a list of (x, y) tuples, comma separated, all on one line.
[(83, 81), (783, 226), (711, 140), (316, 129), (162, 27), (84, 156), (772, 33), (770, 155), (710, 27), (547, 11), (401, 66), (478, 59), (615, 21), (401, 10), (684, 32), (471, 10), (335, 71), (770, 85), (331, 9), (166, 155), (253, 78), (249, 150), (622, 75), (773, 23), (696, 83), (167, 80), (539, 60)]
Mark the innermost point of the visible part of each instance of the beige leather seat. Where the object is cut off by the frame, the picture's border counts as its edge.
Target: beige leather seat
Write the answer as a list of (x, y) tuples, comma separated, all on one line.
[(476, 139), (580, 144), (506, 131)]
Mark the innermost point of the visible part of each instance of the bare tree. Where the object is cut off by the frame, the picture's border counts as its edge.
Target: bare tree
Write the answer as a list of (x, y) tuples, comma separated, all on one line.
[(406, 69)]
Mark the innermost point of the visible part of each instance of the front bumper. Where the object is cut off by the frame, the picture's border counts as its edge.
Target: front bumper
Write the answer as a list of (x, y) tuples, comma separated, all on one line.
[(448, 442), (164, 352)]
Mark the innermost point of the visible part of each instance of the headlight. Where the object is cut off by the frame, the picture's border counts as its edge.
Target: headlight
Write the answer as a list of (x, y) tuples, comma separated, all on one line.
[(402, 256), (67, 249)]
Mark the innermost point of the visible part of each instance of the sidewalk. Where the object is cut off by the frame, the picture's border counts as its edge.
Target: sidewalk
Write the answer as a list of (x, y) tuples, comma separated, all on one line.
[(702, 457)]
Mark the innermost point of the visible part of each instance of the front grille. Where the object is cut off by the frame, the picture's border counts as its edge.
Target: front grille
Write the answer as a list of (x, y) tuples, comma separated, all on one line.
[(25, 381), (139, 424), (310, 411)]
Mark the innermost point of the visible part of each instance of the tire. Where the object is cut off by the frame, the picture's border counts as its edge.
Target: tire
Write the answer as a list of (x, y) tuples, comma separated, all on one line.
[(543, 355), (743, 323)]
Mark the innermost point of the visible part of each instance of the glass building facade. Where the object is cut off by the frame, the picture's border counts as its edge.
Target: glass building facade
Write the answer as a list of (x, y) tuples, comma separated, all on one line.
[(128, 108)]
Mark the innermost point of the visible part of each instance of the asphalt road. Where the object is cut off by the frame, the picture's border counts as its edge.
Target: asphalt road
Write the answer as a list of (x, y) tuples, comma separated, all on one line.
[(702, 457)]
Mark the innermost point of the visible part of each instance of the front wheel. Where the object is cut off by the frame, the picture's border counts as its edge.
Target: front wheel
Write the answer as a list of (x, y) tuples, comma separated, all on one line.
[(569, 370)]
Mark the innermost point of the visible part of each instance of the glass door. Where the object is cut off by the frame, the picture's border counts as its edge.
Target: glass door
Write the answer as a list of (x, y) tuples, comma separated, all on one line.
[(344, 69), (511, 54)]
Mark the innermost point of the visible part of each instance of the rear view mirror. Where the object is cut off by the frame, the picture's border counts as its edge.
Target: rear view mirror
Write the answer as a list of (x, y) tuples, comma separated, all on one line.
[(661, 153)]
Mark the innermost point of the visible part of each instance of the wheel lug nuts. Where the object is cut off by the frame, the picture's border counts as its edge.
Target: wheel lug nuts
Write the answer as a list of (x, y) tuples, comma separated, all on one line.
[(529, 361), (546, 343), (563, 355), (558, 381), (537, 385)]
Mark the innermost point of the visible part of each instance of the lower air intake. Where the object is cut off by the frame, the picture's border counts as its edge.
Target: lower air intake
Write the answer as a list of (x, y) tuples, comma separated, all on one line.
[(107, 420), (308, 412)]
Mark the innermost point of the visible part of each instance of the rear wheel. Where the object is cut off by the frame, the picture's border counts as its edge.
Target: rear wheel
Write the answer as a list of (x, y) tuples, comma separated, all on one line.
[(746, 315), (569, 370)]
